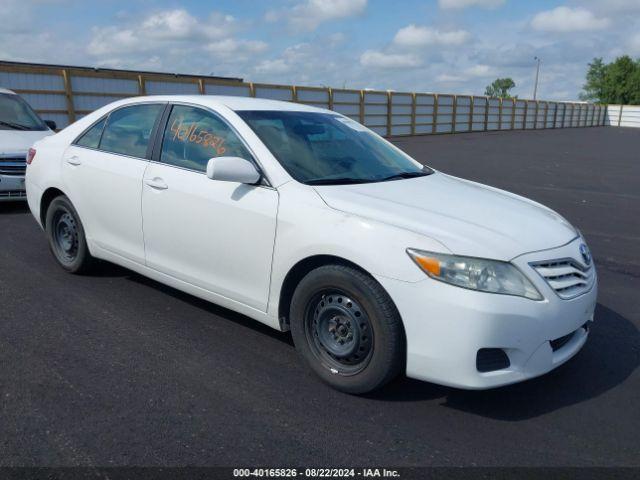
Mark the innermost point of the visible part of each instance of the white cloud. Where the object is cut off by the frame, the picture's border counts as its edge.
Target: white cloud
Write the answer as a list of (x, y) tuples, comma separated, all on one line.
[(566, 19), (270, 67), (450, 78), (309, 14), (161, 28), (376, 59), (479, 71), (419, 36), (231, 46), (446, 4), (634, 44)]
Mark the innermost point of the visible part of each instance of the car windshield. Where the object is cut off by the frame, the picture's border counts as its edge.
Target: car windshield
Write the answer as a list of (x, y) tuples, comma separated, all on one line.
[(16, 114), (328, 149)]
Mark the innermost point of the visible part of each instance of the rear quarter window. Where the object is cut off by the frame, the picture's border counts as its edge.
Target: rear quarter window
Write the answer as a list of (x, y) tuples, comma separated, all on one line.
[(128, 130), (91, 138)]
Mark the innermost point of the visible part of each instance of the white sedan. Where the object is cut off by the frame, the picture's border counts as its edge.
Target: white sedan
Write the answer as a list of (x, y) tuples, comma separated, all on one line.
[(305, 220)]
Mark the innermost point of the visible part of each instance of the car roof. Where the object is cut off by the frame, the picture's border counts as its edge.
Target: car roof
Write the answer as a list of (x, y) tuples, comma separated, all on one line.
[(231, 102), (6, 90)]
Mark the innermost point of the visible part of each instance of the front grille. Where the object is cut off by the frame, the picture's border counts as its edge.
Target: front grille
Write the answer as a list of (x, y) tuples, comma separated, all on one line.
[(491, 359), (13, 194), (566, 277), (13, 166)]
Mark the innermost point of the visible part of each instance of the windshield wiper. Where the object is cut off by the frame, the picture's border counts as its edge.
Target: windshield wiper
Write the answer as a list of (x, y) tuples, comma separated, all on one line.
[(337, 181), (399, 176), (15, 126)]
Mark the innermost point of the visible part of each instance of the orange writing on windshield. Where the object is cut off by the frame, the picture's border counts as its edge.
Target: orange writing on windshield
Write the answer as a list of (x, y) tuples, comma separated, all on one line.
[(189, 132)]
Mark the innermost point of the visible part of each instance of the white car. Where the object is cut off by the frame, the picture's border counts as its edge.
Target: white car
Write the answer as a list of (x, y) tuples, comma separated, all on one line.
[(20, 127), (303, 219)]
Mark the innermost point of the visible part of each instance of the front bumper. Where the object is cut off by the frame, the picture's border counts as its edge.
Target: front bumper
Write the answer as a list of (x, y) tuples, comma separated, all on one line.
[(12, 188), (446, 326)]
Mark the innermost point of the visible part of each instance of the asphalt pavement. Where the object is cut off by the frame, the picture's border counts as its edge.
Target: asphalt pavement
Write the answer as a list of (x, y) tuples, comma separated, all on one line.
[(114, 369)]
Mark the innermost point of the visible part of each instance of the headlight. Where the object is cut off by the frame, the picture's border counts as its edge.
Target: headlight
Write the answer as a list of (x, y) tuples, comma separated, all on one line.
[(475, 273)]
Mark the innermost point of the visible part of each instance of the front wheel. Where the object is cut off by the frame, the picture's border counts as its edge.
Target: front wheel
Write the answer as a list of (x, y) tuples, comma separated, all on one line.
[(347, 329), (66, 236)]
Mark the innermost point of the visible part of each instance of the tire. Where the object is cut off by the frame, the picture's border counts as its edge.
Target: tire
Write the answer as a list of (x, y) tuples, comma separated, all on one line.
[(66, 237), (347, 329)]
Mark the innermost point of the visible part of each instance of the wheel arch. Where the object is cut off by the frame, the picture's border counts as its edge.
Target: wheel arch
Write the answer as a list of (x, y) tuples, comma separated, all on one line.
[(47, 197), (298, 272)]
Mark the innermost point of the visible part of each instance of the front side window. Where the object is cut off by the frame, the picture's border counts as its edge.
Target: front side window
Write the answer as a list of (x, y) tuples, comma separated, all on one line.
[(91, 138), (324, 148), (128, 130), (16, 114), (193, 136)]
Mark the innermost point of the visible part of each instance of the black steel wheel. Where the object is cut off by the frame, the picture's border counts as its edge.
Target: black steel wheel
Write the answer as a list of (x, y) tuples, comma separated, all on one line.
[(66, 236), (339, 331), (347, 328)]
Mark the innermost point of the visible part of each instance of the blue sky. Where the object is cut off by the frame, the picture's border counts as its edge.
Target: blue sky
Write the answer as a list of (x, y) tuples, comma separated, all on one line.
[(456, 46)]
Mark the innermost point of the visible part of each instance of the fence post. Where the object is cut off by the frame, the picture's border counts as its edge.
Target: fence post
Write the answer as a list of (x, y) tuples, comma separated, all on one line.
[(454, 110), (362, 107), (330, 93), (389, 117), (71, 113), (252, 89), (546, 114), (434, 121), (471, 113), (513, 113), (535, 119), (555, 114), (500, 114), (201, 86), (142, 88), (620, 115), (526, 112), (486, 113), (294, 94), (413, 113), (573, 112)]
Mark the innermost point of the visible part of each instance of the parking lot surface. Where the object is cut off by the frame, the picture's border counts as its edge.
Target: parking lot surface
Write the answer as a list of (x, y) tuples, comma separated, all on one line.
[(115, 369)]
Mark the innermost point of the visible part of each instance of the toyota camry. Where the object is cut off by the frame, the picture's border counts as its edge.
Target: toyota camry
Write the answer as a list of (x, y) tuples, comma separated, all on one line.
[(305, 220)]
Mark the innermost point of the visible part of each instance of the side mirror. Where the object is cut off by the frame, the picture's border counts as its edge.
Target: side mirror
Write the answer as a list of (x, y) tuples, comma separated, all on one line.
[(232, 169), (51, 124)]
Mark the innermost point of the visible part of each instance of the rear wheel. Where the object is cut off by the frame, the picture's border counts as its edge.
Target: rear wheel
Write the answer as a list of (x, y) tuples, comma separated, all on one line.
[(66, 236), (347, 328)]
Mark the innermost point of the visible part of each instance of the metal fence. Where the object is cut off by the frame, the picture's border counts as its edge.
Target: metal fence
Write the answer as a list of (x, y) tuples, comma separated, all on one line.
[(623, 116), (65, 94)]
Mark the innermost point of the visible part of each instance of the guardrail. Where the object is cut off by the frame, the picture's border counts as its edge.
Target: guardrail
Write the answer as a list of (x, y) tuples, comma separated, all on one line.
[(65, 94), (623, 116)]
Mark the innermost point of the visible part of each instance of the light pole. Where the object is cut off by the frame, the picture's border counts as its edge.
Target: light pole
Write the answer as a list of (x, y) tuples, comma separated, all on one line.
[(535, 86)]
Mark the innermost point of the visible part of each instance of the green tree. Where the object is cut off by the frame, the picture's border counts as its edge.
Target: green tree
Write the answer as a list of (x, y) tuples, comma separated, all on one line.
[(500, 88), (616, 82)]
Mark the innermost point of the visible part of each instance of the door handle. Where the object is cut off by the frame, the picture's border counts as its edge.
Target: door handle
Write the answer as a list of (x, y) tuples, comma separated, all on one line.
[(156, 183), (74, 160)]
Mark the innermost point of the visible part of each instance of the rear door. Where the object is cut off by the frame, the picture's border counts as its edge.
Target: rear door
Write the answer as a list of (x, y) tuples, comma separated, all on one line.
[(103, 173), (212, 234)]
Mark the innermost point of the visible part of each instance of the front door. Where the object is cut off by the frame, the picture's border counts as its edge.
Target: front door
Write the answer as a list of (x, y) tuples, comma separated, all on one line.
[(216, 235)]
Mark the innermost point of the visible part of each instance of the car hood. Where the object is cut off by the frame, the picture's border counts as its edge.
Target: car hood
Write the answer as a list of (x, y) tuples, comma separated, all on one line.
[(19, 141), (467, 217)]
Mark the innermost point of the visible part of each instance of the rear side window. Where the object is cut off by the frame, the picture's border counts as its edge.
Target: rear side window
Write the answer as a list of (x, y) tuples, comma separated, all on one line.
[(128, 130), (91, 138), (193, 136)]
